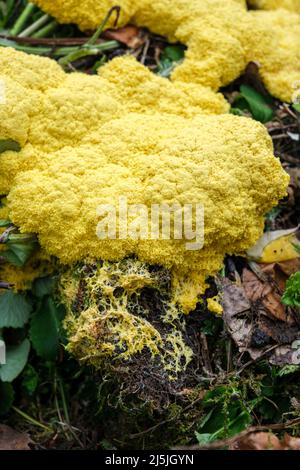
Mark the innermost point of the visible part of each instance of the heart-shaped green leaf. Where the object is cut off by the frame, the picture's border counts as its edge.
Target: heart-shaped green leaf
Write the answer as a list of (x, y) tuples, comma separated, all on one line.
[(16, 359), (14, 310), (45, 330)]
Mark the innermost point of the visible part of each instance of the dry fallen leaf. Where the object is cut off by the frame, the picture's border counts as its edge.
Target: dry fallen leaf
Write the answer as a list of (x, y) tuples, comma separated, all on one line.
[(275, 246), (13, 440), (257, 441), (131, 36), (267, 284), (236, 308), (254, 329), (266, 441), (257, 290), (291, 443)]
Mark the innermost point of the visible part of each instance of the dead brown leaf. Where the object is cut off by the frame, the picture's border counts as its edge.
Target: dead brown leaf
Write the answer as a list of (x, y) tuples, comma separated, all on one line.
[(257, 441), (236, 309), (291, 443), (267, 284), (256, 331), (257, 290), (266, 441), (289, 267), (13, 440), (285, 354), (131, 36)]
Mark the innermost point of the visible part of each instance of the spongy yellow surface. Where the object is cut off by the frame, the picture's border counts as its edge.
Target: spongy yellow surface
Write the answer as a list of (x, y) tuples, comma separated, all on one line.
[(222, 36), (214, 305), (88, 140)]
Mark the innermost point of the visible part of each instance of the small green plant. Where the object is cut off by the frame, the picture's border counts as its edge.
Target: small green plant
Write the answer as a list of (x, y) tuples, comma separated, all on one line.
[(170, 58), (28, 321), (249, 100), (291, 295)]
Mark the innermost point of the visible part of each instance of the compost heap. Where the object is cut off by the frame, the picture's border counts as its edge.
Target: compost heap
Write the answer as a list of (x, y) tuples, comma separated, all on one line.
[(87, 140)]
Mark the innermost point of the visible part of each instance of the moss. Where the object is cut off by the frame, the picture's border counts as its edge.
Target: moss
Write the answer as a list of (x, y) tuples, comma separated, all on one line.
[(107, 325)]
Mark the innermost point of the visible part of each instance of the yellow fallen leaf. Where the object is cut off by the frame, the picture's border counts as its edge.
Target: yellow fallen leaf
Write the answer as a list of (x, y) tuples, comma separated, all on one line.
[(276, 246)]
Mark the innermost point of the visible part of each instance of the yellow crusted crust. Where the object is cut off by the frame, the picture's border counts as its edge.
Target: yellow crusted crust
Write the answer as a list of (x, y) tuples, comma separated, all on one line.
[(89, 140), (221, 36)]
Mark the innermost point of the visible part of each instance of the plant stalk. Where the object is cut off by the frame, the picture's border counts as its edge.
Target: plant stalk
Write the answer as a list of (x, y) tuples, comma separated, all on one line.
[(34, 26), (44, 32), (61, 51), (18, 26), (32, 420), (99, 31)]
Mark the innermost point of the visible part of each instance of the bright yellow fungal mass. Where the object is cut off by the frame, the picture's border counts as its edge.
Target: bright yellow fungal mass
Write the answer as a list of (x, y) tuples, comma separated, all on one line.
[(87, 140), (214, 305), (221, 36)]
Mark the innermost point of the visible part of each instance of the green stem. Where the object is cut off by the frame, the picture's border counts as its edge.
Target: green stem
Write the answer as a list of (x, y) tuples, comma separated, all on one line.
[(59, 52), (31, 420), (99, 31), (44, 32), (89, 47), (18, 26), (63, 399), (34, 27), (78, 54)]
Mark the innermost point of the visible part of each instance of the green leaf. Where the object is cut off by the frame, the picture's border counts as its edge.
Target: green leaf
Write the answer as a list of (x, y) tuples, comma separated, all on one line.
[(43, 286), (5, 223), (45, 329), (9, 144), (14, 310), (30, 379), (291, 295), (173, 53), (297, 247), (258, 104), (20, 247), (296, 106), (288, 369), (171, 56), (205, 438), (237, 112), (16, 359), (6, 397)]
